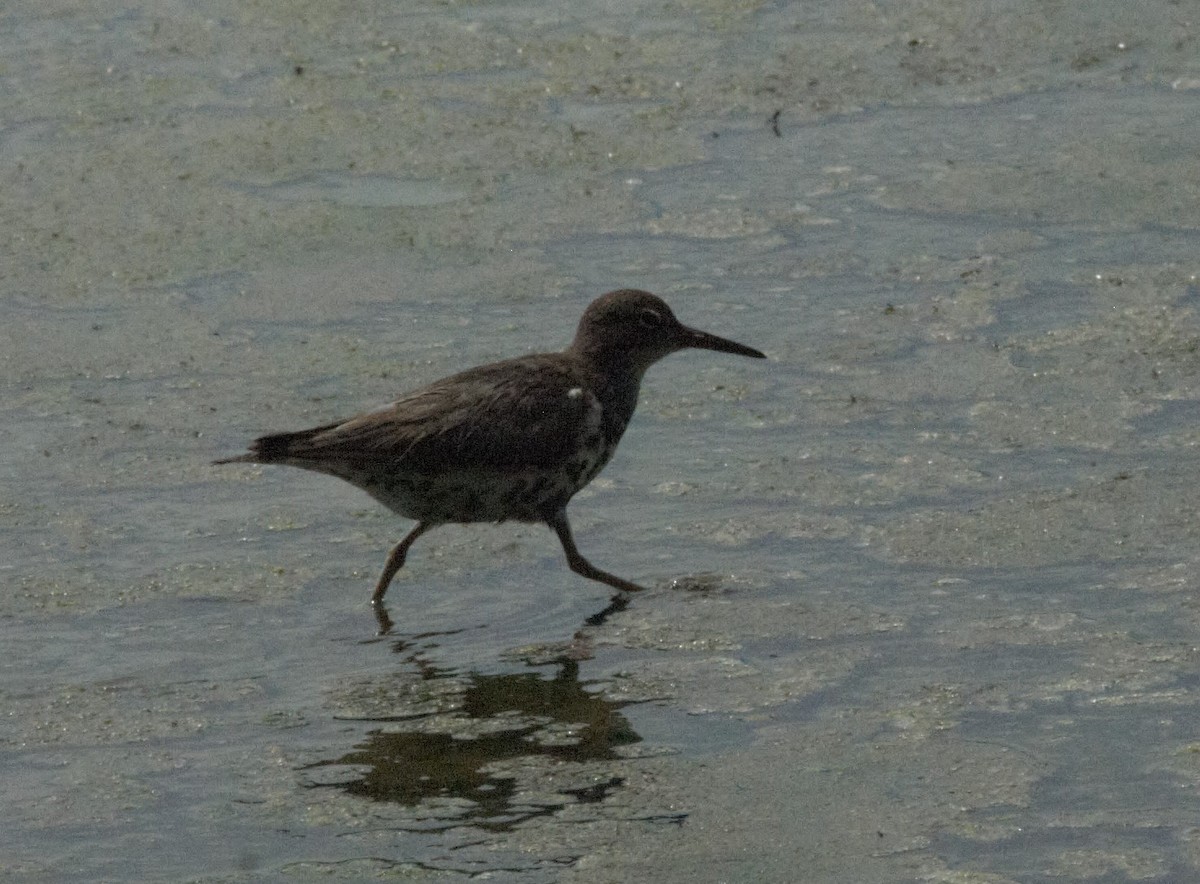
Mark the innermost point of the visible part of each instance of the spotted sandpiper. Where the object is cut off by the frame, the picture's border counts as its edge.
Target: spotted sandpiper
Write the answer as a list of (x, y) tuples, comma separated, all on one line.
[(510, 440)]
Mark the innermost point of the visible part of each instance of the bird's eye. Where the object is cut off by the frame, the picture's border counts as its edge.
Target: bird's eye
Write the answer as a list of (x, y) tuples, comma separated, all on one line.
[(650, 319)]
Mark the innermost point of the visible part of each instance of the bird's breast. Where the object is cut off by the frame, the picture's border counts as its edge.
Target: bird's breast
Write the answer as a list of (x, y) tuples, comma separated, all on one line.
[(488, 495)]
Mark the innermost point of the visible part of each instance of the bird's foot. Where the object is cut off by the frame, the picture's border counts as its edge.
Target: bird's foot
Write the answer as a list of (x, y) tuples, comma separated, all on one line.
[(381, 618)]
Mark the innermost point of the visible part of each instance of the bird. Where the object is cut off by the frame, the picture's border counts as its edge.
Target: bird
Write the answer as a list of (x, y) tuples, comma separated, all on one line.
[(511, 440)]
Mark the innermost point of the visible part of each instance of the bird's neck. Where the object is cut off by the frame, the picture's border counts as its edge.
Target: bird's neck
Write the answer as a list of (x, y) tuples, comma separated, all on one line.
[(617, 386)]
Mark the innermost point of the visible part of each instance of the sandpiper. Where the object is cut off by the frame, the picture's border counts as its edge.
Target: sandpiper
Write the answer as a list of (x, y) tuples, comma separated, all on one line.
[(511, 440)]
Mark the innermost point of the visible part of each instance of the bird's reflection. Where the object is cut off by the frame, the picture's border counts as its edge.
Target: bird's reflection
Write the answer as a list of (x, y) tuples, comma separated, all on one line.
[(493, 719)]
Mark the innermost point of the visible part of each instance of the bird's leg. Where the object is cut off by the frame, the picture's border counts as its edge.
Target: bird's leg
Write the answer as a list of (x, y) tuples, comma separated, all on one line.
[(578, 563), (395, 561)]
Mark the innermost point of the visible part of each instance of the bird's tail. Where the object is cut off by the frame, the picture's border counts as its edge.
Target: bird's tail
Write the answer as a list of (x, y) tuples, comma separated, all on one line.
[(276, 447)]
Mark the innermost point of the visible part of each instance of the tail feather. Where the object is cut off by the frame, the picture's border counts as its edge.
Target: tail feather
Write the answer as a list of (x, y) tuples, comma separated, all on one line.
[(241, 458), (275, 447)]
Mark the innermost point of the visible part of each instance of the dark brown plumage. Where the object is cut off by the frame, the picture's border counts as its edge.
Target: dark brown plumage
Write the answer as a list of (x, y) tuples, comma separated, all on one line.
[(511, 440)]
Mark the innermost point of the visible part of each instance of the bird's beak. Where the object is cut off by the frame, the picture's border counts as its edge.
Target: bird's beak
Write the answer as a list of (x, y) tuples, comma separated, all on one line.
[(692, 337)]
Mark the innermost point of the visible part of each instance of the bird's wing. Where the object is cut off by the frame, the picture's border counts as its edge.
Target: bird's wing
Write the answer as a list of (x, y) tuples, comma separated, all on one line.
[(526, 412)]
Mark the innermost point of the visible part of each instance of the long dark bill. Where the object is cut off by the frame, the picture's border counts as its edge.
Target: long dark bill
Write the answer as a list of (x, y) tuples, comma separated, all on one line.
[(693, 337)]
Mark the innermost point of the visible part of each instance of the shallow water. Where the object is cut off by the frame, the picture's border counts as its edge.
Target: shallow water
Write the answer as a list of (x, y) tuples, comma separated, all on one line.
[(921, 586)]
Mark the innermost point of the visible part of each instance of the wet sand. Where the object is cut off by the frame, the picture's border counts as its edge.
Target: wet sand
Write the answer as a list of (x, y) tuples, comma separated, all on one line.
[(921, 601)]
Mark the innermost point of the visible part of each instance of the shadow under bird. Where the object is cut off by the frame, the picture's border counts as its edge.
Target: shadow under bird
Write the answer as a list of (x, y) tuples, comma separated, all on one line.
[(510, 440)]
